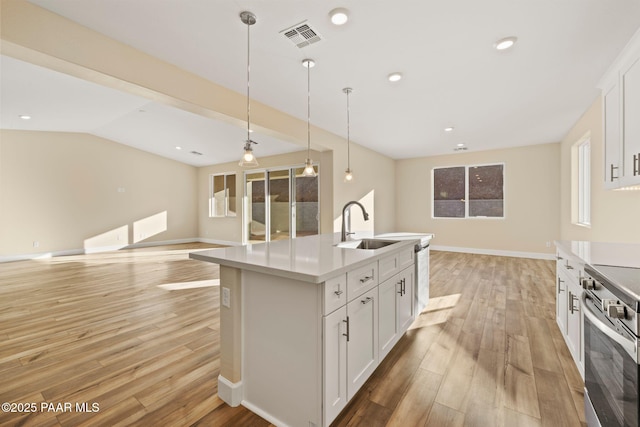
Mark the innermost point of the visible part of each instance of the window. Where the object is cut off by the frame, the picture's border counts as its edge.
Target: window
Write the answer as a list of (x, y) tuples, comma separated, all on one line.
[(581, 154), (468, 191), (222, 195)]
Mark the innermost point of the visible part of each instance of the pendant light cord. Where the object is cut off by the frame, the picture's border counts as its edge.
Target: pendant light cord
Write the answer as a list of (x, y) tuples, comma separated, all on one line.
[(308, 110), (348, 135), (248, 84)]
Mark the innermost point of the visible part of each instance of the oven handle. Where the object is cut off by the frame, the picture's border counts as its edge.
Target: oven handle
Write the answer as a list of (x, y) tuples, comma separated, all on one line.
[(628, 345)]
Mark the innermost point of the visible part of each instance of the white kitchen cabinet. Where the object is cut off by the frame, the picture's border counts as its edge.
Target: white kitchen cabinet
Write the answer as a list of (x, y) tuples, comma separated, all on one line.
[(396, 309), (569, 272), (574, 321), (621, 118), (362, 346), (335, 362), (630, 81), (611, 123)]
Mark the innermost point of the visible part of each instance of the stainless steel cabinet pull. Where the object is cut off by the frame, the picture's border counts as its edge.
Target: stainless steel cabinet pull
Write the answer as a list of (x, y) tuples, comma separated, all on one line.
[(366, 300), (612, 169), (365, 278), (569, 267), (347, 334), (559, 288), (636, 164), (338, 292), (570, 302)]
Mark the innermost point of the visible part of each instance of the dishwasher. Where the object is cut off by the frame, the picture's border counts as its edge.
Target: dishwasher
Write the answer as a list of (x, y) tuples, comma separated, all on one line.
[(421, 291)]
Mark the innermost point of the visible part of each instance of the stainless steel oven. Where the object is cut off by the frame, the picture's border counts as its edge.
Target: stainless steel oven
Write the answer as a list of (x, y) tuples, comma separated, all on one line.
[(611, 350)]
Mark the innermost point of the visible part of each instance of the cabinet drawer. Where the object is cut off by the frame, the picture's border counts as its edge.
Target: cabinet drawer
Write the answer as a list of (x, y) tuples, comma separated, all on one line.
[(335, 293), (392, 264), (361, 280), (570, 266)]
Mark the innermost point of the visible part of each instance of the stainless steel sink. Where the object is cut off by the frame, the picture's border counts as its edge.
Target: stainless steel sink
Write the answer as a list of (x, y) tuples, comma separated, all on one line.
[(367, 244)]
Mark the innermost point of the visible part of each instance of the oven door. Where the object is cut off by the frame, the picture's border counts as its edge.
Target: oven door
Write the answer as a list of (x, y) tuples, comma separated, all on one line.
[(611, 369)]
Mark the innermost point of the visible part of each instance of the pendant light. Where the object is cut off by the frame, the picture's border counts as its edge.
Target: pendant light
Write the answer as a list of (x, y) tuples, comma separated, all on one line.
[(348, 174), (308, 164), (248, 158)]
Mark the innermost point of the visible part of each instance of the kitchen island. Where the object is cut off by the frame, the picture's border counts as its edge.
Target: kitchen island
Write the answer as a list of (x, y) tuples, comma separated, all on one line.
[(304, 322)]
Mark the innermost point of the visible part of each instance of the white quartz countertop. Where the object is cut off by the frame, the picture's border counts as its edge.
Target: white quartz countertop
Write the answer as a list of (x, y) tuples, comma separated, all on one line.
[(311, 258), (603, 253)]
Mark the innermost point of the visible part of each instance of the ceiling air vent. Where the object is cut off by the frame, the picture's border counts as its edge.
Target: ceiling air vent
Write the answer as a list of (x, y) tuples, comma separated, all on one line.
[(302, 34), (196, 153)]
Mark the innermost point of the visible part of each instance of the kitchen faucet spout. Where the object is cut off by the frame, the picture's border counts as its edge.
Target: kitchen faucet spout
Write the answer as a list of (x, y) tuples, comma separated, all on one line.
[(346, 219)]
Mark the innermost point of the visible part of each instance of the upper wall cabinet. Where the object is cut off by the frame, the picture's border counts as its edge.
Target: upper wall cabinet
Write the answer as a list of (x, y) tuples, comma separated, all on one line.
[(621, 118)]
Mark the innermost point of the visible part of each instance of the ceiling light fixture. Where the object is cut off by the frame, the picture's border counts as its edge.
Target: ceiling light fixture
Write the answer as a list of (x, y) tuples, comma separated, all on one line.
[(395, 77), (248, 158), (348, 174), (448, 129), (178, 148), (506, 43), (339, 16), (460, 145), (25, 117), (308, 164)]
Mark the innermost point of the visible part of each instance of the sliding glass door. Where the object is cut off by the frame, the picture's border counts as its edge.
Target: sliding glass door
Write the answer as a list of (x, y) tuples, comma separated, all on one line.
[(280, 204)]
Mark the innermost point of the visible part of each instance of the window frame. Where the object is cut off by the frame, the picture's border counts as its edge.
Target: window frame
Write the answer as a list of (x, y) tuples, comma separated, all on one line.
[(466, 192), (226, 211), (581, 182)]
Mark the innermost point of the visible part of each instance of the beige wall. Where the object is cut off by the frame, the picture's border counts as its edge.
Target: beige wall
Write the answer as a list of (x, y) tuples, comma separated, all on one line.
[(614, 214), (61, 189), (532, 199)]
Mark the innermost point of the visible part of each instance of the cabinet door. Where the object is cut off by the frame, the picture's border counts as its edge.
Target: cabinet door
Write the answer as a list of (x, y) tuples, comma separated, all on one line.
[(387, 316), (335, 363), (405, 300), (574, 321), (561, 300), (612, 140), (630, 80), (362, 349)]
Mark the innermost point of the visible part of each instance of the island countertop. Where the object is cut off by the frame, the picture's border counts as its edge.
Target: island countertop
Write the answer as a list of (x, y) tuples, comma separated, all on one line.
[(311, 259)]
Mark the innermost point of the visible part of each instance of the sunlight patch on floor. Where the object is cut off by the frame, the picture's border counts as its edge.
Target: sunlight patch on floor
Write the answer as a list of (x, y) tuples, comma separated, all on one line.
[(190, 285)]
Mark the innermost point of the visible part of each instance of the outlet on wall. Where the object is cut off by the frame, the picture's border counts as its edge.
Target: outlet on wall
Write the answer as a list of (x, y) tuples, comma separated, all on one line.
[(226, 297), (36, 244)]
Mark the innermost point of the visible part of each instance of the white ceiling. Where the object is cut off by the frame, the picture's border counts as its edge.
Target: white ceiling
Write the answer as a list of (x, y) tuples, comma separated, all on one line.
[(530, 94)]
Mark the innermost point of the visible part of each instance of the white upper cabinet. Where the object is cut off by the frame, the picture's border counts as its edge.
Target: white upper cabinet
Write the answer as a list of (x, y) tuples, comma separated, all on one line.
[(621, 118)]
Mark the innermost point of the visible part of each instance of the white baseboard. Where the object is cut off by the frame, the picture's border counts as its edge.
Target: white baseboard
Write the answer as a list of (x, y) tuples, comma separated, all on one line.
[(516, 254), (230, 393), (267, 416), (68, 252)]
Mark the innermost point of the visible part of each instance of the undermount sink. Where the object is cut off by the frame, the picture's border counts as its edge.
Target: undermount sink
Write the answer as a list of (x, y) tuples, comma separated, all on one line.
[(368, 244)]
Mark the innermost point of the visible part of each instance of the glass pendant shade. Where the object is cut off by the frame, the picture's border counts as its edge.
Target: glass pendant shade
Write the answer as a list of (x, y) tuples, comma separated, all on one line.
[(348, 176), (308, 169), (248, 158)]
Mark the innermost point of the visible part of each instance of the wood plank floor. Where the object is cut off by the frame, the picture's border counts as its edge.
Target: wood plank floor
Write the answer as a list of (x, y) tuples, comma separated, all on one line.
[(103, 329)]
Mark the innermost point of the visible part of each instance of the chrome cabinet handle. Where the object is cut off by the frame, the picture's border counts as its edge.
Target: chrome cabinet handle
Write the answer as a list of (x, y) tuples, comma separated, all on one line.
[(559, 288), (366, 278), (636, 164), (366, 300), (347, 334), (338, 292), (611, 174), (568, 266)]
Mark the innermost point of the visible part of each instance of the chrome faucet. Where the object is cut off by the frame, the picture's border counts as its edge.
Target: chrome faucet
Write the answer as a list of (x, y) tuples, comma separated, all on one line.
[(346, 219)]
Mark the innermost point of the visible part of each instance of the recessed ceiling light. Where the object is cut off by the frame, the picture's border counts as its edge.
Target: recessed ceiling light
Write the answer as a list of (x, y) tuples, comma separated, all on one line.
[(460, 145), (178, 148), (448, 129), (339, 16), (395, 77), (25, 117), (308, 63), (505, 43)]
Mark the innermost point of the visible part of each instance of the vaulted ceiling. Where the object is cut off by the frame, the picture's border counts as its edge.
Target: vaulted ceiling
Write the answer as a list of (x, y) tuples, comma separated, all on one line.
[(452, 75)]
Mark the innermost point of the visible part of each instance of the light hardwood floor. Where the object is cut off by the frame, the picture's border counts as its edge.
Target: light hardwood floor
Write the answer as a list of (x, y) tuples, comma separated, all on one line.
[(101, 329)]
